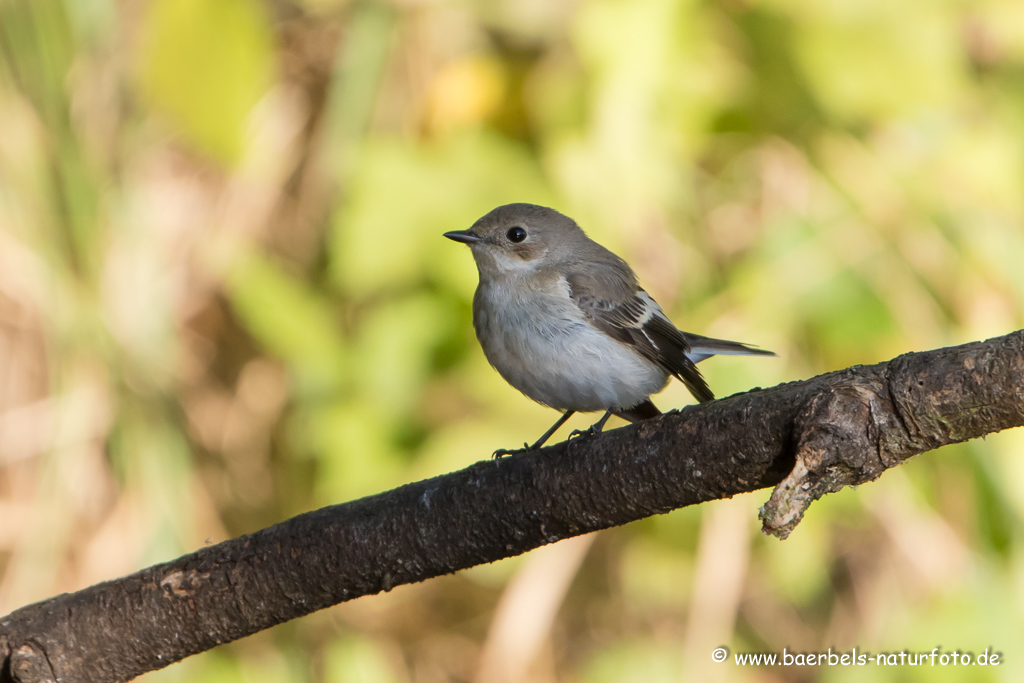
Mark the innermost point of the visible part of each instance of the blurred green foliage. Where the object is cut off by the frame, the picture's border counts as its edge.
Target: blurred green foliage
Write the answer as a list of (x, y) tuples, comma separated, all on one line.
[(206, 66), (224, 299)]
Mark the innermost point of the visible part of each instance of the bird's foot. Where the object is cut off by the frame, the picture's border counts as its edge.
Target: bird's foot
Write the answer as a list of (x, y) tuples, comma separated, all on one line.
[(578, 434), (502, 452), (593, 430)]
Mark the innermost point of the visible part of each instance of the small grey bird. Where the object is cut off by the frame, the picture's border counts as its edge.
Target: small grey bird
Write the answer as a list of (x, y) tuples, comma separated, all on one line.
[(565, 322)]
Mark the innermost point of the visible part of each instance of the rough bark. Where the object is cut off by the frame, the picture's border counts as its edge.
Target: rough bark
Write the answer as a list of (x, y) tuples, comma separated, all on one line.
[(808, 438)]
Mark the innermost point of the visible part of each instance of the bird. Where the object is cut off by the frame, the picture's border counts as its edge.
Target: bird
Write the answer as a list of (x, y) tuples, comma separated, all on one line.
[(566, 322)]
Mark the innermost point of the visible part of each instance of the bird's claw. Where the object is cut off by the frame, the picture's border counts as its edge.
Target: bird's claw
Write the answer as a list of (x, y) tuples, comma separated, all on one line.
[(502, 452), (582, 433)]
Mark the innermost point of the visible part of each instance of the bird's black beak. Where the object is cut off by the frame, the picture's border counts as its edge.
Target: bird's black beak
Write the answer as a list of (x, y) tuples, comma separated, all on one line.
[(464, 236)]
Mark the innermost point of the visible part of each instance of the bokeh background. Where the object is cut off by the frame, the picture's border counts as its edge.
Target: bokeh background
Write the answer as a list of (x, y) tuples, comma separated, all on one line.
[(225, 300)]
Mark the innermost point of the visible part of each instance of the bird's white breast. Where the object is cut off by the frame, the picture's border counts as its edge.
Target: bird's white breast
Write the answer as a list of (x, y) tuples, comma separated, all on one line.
[(541, 343)]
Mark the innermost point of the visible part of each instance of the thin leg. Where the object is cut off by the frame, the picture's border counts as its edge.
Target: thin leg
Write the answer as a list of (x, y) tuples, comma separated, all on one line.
[(598, 426), (554, 428), (594, 429), (539, 442)]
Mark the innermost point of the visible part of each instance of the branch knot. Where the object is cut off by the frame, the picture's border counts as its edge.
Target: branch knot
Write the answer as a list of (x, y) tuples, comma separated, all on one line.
[(838, 435)]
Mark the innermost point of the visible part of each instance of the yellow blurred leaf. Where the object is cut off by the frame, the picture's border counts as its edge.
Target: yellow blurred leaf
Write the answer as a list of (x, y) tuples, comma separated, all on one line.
[(466, 91), (206, 65)]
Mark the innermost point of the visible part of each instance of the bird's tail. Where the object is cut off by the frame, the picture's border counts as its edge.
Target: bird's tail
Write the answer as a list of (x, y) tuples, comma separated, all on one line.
[(705, 347)]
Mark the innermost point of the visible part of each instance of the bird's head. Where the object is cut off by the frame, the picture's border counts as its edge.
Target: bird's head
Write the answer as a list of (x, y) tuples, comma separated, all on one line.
[(518, 238)]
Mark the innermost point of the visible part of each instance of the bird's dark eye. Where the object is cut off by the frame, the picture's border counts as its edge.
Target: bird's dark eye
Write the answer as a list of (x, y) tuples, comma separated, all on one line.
[(516, 234)]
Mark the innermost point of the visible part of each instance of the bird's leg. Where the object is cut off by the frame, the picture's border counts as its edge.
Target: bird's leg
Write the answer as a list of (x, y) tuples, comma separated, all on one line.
[(539, 442), (594, 429), (554, 428)]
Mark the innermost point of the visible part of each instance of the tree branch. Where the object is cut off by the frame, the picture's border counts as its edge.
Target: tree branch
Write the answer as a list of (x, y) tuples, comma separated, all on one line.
[(810, 438)]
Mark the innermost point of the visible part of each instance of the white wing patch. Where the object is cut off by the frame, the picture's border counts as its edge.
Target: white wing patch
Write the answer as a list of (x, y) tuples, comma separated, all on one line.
[(650, 308)]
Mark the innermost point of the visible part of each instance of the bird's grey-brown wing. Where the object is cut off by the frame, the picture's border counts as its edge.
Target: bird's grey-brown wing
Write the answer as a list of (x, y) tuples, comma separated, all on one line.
[(612, 302)]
